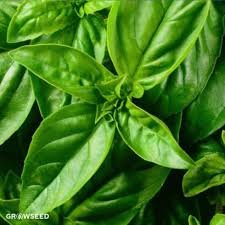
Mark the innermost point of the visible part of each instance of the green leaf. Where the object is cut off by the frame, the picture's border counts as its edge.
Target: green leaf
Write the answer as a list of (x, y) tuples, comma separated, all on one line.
[(64, 36), (223, 136), (118, 201), (16, 100), (208, 172), (34, 18), (5, 63), (146, 216), (150, 138), (174, 123), (7, 10), (92, 6), (65, 68), (207, 147), (218, 219), (49, 98), (12, 186), (122, 156), (193, 221), (207, 113), (87, 35), (66, 151), (192, 75), (12, 157), (91, 37), (137, 31)]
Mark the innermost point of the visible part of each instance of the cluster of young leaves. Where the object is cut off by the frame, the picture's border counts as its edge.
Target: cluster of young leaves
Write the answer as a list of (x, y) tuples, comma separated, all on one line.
[(100, 99)]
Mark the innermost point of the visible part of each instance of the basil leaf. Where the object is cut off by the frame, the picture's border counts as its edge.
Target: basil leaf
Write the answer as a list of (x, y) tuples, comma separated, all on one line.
[(34, 18), (92, 6), (174, 123), (207, 147), (66, 150), (12, 186), (88, 35), (137, 31), (218, 219), (49, 98), (150, 138), (120, 154), (91, 37), (16, 100), (207, 113), (118, 201), (145, 216), (191, 76), (5, 63), (64, 67), (21, 139), (7, 10), (207, 173), (223, 137), (193, 221)]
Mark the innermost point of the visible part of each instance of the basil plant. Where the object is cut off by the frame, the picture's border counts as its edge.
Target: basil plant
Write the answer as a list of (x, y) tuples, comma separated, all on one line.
[(100, 100)]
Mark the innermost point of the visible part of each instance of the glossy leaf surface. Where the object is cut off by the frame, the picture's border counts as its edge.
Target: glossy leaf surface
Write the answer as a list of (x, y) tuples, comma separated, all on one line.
[(48, 97), (12, 186), (207, 113), (150, 138), (189, 79), (64, 67), (117, 202), (218, 219), (207, 173), (93, 6), (90, 37), (16, 100), (207, 147), (34, 18), (136, 36), (223, 137), (5, 63), (7, 10), (67, 149), (193, 221)]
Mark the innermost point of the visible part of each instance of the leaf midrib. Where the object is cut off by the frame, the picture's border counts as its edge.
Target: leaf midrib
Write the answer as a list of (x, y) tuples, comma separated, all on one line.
[(149, 42), (153, 37), (80, 147)]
